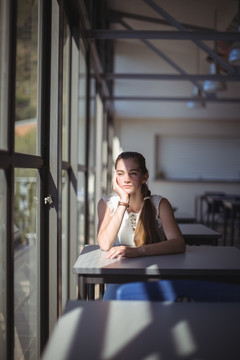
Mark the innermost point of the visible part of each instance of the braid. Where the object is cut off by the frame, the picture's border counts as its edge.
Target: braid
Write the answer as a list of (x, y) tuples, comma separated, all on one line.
[(146, 230)]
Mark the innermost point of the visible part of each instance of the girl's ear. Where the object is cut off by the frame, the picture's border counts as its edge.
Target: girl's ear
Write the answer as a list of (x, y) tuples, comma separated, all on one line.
[(145, 178)]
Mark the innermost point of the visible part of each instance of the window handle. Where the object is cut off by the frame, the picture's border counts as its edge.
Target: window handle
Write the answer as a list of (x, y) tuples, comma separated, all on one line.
[(48, 200)]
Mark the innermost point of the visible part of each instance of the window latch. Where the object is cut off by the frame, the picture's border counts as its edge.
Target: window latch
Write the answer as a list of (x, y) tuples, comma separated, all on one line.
[(48, 200)]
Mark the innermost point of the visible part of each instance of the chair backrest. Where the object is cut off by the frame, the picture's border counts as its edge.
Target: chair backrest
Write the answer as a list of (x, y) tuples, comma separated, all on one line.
[(180, 291)]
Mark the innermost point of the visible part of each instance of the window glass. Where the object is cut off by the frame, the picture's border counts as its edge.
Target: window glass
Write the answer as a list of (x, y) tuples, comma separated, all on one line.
[(3, 190), (66, 91), (26, 77), (92, 134), (4, 41), (82, 109), (26, 265), (81, 211), (91, 207), (65, 192), (91, 177)]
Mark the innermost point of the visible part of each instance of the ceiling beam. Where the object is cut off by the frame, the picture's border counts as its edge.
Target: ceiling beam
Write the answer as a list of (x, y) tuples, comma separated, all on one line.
[(116, 16), (161, 35), (172, 99), (166, 58), (166, 77), (196, 41)]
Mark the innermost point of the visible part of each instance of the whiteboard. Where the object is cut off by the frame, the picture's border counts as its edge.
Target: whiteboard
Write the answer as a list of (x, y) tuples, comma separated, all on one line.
[(198, 158)]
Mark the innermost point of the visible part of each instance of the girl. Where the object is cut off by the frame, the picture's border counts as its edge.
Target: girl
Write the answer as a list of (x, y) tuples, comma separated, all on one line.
[(135, 223)]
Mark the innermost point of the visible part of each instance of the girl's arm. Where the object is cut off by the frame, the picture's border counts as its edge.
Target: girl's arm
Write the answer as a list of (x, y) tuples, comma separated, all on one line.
[(108, 226)]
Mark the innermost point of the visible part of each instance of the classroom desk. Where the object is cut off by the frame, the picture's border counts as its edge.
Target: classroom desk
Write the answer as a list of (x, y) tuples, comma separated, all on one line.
[(204, 262), (199, 234), (184, 218), (120, 330)]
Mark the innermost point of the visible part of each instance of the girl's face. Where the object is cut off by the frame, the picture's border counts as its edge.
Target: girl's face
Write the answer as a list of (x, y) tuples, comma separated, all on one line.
[(129, 176)]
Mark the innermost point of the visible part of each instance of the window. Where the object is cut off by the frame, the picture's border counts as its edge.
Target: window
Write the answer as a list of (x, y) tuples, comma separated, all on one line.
[(3, 267), (27, 64), (66, 91), (4, 33), (26, 263)]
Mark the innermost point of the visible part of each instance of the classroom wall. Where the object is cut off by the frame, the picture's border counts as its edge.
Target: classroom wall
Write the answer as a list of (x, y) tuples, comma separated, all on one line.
[(140, 134)]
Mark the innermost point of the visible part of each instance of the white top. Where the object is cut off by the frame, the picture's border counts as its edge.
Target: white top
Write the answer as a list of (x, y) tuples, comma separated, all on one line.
[(126, 232)]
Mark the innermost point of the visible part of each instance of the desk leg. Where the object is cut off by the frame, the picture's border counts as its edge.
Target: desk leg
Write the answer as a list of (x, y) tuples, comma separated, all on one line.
[(82, 293), (91, 291), (225, 226)]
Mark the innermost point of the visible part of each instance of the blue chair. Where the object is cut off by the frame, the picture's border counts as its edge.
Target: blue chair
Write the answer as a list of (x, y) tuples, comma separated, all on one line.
[(180, 291)]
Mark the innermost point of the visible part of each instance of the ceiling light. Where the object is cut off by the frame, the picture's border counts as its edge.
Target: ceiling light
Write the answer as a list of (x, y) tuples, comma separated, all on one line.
[(198, 100), (210, 85), (234, 55)]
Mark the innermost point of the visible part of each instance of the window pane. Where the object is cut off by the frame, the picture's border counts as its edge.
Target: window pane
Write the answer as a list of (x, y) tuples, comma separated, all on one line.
[(3, 190), (4, 41), (91, 204), (66, 90), (81, 210), (26, 268), (26, 77), (92, 134), (64, 238), (91, 178), (82, 109)]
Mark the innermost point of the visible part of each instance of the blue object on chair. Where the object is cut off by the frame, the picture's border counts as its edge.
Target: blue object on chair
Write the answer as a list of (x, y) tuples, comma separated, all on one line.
[(180, 291)]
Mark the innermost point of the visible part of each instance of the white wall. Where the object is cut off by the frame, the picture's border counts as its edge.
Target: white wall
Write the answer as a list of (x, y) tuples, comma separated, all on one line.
[(139, 135)]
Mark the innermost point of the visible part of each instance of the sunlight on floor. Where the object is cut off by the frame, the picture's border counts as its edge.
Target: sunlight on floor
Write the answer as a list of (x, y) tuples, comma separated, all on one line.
[(183, 339)]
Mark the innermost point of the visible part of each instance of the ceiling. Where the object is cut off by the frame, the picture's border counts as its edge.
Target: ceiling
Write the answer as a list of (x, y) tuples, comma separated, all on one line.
[(163, 50)]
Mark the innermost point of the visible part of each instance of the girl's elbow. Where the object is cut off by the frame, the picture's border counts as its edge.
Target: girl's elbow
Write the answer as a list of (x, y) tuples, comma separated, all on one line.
[(103, 246)]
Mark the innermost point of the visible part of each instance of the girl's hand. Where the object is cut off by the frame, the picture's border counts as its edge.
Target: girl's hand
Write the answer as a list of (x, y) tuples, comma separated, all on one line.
[(122, 252), (118, 190)]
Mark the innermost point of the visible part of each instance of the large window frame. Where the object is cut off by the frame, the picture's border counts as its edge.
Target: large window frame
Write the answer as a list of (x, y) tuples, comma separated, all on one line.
[(49, 164)]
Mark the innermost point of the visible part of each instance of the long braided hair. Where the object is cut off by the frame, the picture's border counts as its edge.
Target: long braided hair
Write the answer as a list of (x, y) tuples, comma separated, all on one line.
[(146, 231)]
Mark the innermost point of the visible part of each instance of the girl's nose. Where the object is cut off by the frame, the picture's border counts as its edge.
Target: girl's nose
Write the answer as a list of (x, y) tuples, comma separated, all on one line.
[(126, 178)]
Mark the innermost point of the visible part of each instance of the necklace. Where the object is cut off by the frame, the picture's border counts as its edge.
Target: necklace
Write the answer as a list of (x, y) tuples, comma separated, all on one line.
[(133, 217), (133, 220)]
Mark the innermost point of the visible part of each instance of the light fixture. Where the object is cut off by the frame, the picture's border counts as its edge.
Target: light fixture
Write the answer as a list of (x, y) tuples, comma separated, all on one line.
[(210, 85), (198, 100), (234, 55)]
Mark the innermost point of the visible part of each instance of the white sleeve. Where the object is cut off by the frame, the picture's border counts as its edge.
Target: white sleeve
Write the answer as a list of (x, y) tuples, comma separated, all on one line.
[(111, 202)]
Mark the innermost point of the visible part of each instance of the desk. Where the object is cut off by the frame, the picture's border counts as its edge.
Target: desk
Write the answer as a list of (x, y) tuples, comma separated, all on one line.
[(197, 234), (184, 218), (206, 262), (120, 330)]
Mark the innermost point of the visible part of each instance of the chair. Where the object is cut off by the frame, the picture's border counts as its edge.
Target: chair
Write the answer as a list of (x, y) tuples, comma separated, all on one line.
[(180, 291)]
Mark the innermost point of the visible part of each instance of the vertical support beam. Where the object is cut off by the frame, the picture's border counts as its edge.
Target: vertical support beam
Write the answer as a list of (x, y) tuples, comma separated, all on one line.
[(10, 182), (45, 51), (73, 141), (53, 167)]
